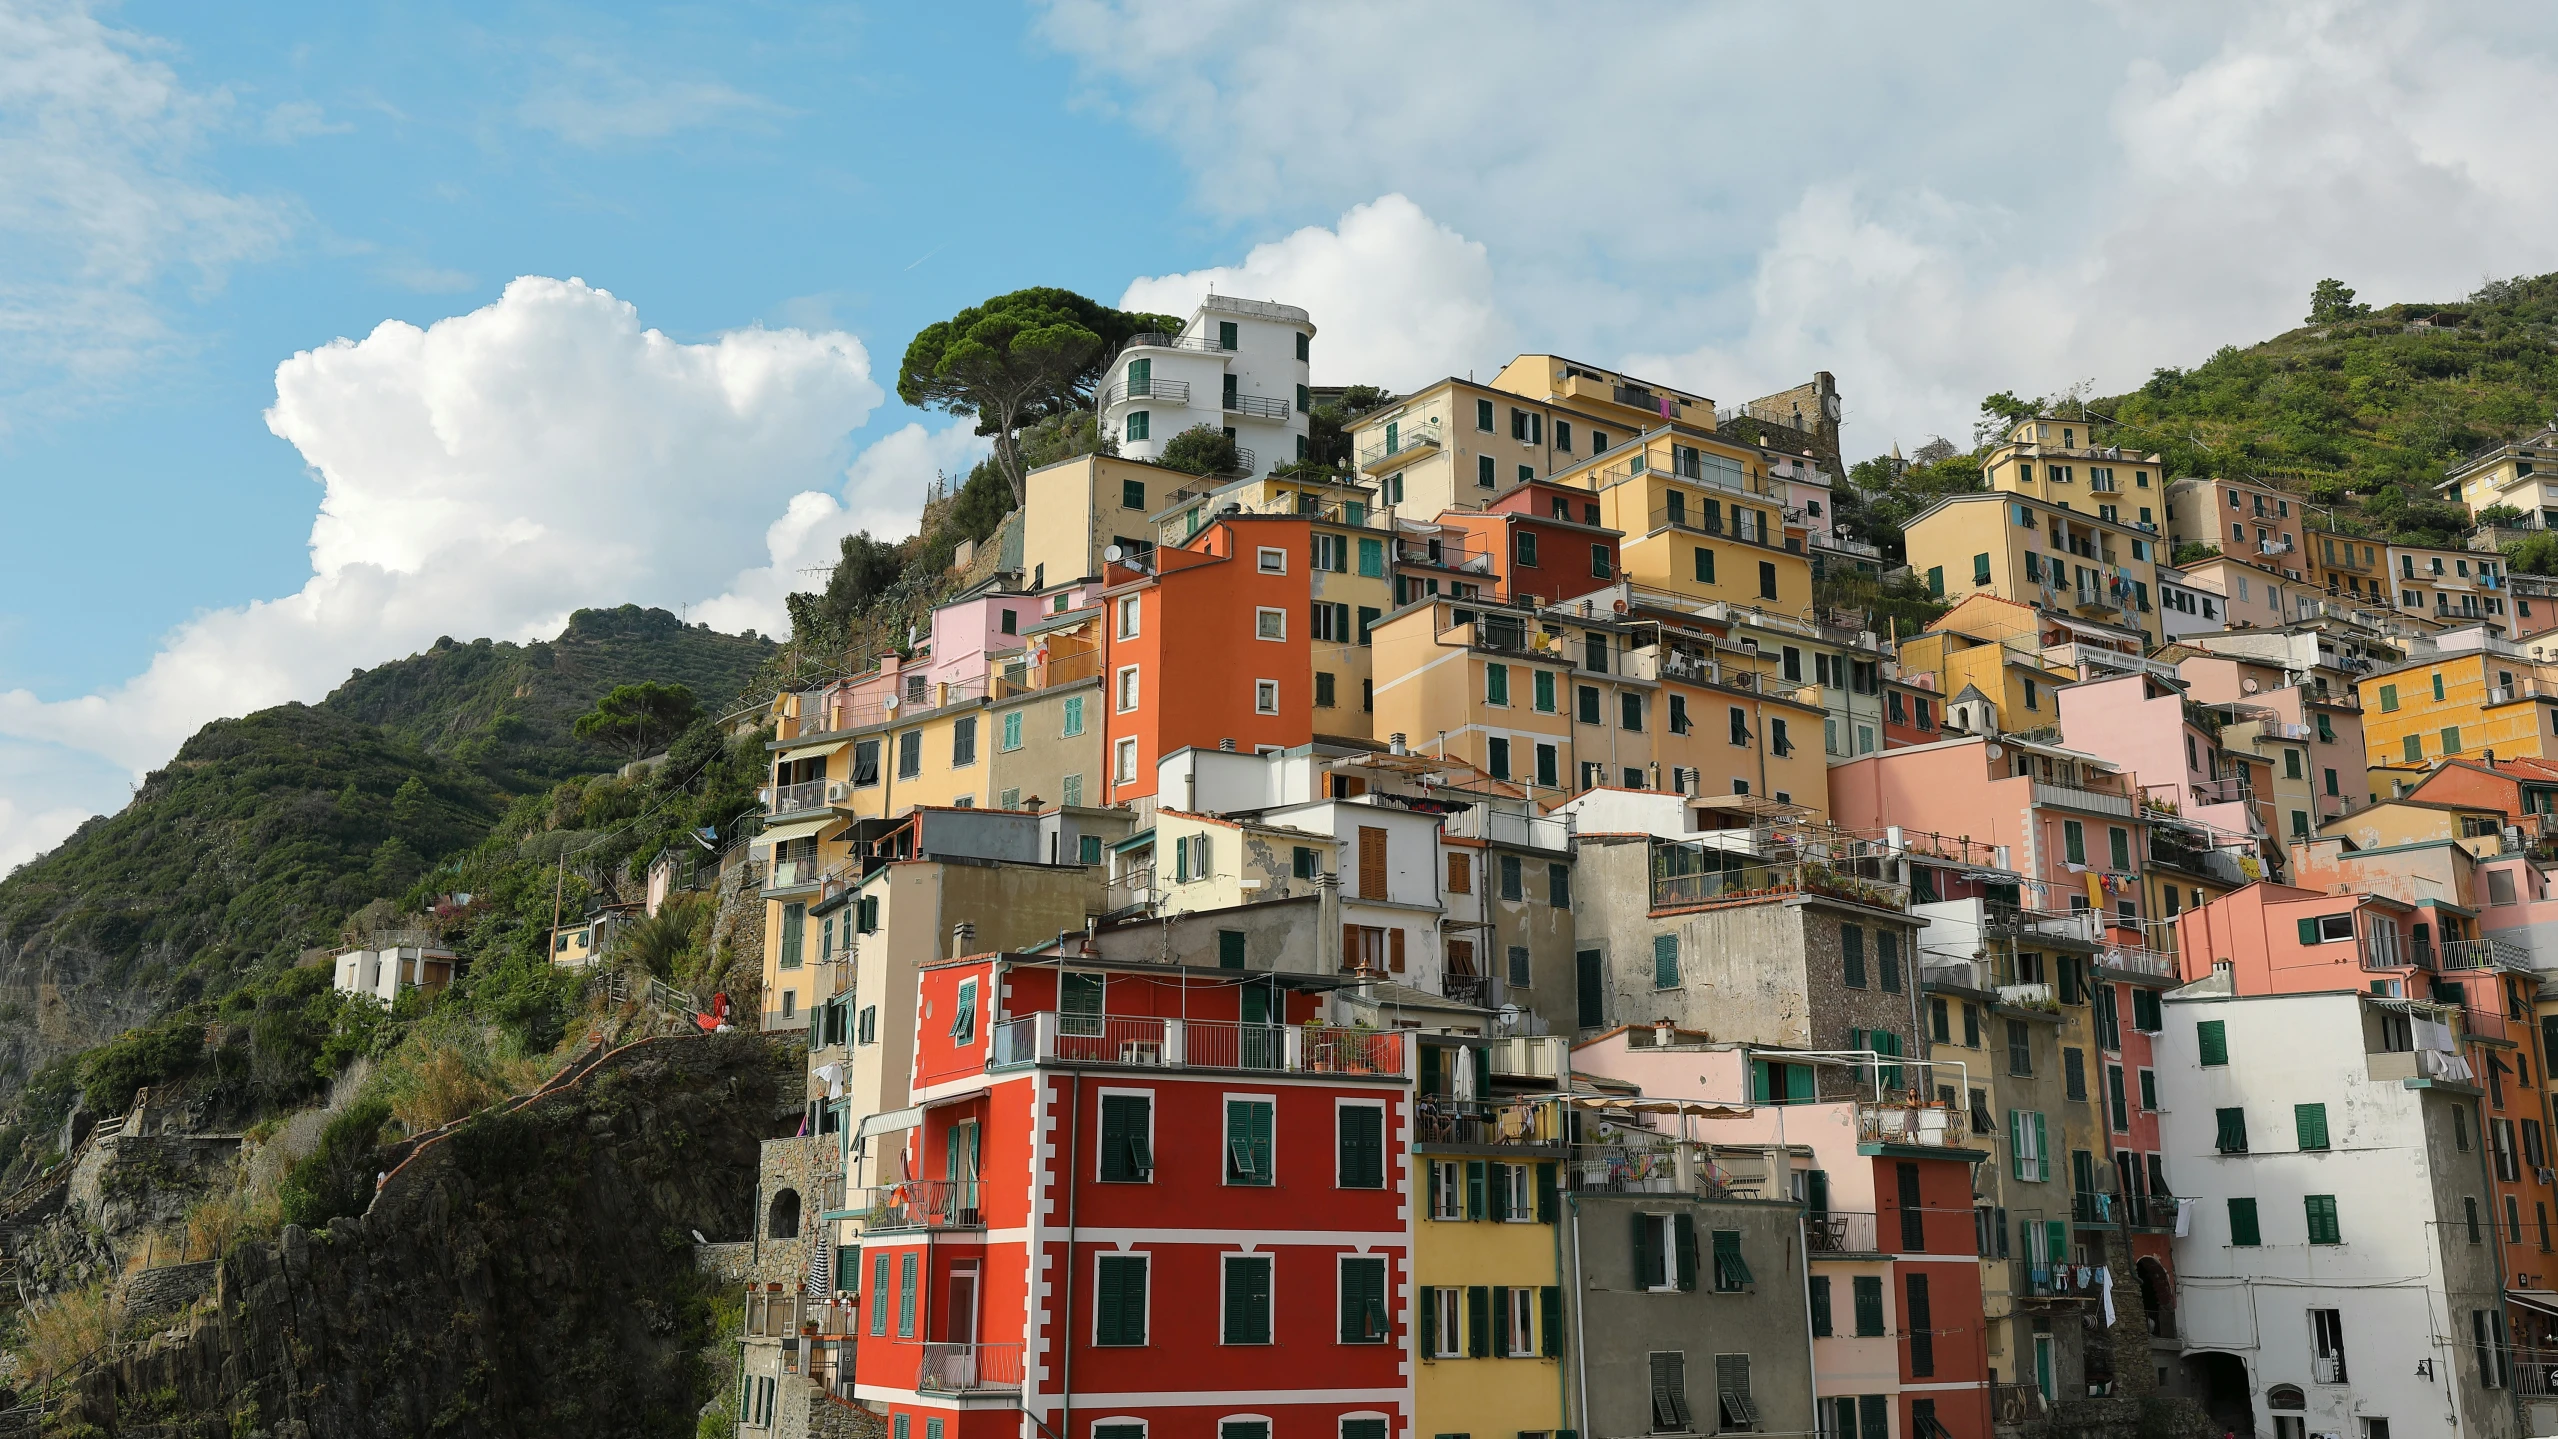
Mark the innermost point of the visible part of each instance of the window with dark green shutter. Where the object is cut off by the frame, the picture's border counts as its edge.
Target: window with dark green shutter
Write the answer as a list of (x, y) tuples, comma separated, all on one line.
[(1500, 1321), (2310, 1121), (1918, 1322), (1665, 961), (1683, 1235), (1647, 1252), (1874, 1417), (877, 1298), (1821, 1306), (1248, 1143), (1358, 1429), (1119, 1299), (1478, 1343), (2211, 1042), (1547, 1200), (1852, 954), (1363, 1146), (2242, 1223), (1737, 1411), (1127, 1150), (1230, 949), (2323, 1227), (1868, 1289), (2145, 1011), (1478, 1188), (1226, 1428), (1550, 1322), (1247, 1299), (1670, 1393), (1731, 1271), (1363, 1302), (2233, 1130)]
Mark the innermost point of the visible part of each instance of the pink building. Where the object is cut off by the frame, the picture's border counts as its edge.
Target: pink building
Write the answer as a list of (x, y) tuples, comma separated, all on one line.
[(980, 629), (2169, 747)]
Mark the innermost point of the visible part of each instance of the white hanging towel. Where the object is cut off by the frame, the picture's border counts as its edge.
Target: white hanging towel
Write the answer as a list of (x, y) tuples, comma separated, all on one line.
[(2184, 1218), (2105, 1291)]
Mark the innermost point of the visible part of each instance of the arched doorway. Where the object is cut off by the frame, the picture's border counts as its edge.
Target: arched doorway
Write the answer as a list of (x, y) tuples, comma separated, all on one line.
[(2158, 1297), (2221, 1382), (781, 1221)]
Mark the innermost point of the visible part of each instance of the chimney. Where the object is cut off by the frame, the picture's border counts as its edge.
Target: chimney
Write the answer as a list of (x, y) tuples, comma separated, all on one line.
[(1226, 746), (1395, 744), (962, 935), (1328, 955)]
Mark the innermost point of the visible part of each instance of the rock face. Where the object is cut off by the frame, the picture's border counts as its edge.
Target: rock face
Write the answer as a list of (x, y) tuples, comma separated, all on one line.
[(526, 1272)]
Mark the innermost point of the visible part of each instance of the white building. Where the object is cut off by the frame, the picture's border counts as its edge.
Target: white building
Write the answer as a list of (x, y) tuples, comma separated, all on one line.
[(383, 973), (1238, 365), (2185, 608), (2337, 1271)]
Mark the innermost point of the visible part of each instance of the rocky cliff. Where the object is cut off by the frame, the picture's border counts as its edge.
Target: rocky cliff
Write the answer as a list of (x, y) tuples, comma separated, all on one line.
[(525, 1272)]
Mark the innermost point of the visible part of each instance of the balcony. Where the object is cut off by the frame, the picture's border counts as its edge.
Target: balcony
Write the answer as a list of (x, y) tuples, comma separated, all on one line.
[(1841, 1231), (2231, 790), (782, 799), (1158, 340), (1148, 1042), (2084, 928), (1401, 448), (1471, 989), (918, 1204), (1255, 407), (2133, 960), (2510, 694), (1439, 1119), (1442, 554), (2053, 1281), (2088, 801), (789, 874), (969, 1369), (1758, 879), (1170, 393), (831, 1318), (1058, 671), (1915, 1124), (2486, 954), (2281, 545)]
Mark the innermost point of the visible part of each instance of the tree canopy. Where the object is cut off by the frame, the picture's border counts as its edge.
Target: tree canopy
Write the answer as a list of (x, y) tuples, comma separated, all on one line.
[(638, 717), (1015, 360), (2330, 301), (1202, 450)]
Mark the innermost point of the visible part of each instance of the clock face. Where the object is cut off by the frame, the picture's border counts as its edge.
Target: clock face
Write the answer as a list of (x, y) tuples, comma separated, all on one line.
[(1830, 406)]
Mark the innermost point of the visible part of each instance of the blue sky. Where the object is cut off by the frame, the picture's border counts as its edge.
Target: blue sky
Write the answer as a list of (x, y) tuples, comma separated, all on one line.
[(213, 506)]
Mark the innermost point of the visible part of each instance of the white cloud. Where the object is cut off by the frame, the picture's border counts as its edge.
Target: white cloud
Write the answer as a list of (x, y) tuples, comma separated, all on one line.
[(100, 207), (1397, 298), (300, 120), (486, 476), (882, 493), (1917, 218), (590, 98)]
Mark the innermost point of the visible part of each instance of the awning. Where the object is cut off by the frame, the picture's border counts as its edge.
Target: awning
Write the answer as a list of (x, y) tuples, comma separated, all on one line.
[(980, 1092), (2544, 1300), (894, 1119), (812, 751), (1695, 1108), (796, 829)]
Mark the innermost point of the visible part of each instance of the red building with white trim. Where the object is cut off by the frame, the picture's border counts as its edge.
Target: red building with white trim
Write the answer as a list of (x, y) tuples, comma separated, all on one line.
[(1160, 1201)]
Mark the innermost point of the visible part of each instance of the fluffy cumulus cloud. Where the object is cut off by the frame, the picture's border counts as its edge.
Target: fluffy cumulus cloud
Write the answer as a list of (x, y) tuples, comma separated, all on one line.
[(1397, 298), (101, 206), (486, 475), (1931, 210)]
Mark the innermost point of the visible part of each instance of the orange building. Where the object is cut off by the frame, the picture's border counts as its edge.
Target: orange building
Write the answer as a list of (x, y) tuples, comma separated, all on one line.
[(1545, 541), (1210, 648)]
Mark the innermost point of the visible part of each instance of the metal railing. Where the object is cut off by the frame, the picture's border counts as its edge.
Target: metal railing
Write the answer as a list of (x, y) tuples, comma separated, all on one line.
[(920, 1204), (2485, 954), (1031, 678), (1473, 989), (1444, 554), (1158, 340), (1441, 1119), (1166, 392), (1766, 880), (2132, 959), (793, 798), (1257, 406), (1841, 1231), (2092, 801), (1420, 437), (1930, 1125), (2224, 791), (2047, 926), (791, 874), (968, 1368), (1051, 1038), (830, 1318)]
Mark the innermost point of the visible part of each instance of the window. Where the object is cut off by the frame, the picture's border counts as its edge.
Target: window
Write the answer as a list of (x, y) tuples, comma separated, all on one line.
[(1525, 548), (1630, 711), (1705, 566), (1543, 690), (906, 1295), (1363, 1301), (1124, 761), (2020, 1047), (1127, 688), (1486, 473), (1074, 724), (2073, 838), (1558, 886), (1483, 416), (1127, 1138), (2323, 1226), (1737, 721), (1981, 568), (1852, 955), (1269, 623), (910, 754), (2232, 1136), (1496, 685), (1731, 1271), (1887, 959), (1670, 1393), (2309, 1121), (2242, 1224), (1273, 560), (2487, 1337), (1767, 580), (1361, 1149), (1265, 697), (1119, 1299), (1665, 961), (1247, 1299), (2211, 1043), (963, 1017), (1868, 1290), (1665, 1255), (1324, 686), (1012, 733), (1738, 1412), (1601, 566), (1522, 974), (2327, 1346), (1586, 701), (1249, 1155)]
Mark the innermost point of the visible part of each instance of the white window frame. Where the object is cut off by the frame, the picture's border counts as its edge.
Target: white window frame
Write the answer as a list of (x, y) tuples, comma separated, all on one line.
[(1522, 1182), (1129, 612), (1154, 1108), (1666, 1244), (1272, 559), (1269, 1315), (1265, 618), (1340, 1265), (1265, 697), (1448, 1300), (1385, 1133), (1452, 1190), (1225, 1125), (1124, 690), (1124, 768), (1522, 1321), (1148, 1258), (964, 1010)]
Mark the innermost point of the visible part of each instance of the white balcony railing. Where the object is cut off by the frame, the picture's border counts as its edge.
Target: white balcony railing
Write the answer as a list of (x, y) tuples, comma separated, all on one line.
[(968, 1368), (2486, 954), (1145, 1041), (2066, 796)]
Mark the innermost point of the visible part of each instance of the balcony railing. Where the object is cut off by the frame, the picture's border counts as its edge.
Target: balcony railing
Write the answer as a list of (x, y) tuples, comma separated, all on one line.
[(2043, 926), (791, 874), (2135, 960), (1051, 1038), (1161, 392), (783, 799), (920, 1204), (968, 1368), (1473, 989), (1442, 554), (2230, 790), (2281, 546), (2065, 796), (1158, 340), (2486, 954), (1257, 406), (1841, 1231), (1929, 1125), (1764, 880), (832, 1318), (1441, 1119), (1405, 443)]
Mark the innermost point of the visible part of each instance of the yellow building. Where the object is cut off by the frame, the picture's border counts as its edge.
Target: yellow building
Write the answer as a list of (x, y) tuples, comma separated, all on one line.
[(2256, 523), (1459, 444), (2522, 475), (2388, 823), (2036, 552), (2450, 587), (2057, 460), (2353, 565), (1075, 509), (1490, 1333), (1701, 519), (2458, 704), (1995, 646), (1572, 698)]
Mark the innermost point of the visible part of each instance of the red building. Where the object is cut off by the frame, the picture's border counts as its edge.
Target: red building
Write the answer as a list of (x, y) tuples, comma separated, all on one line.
[(1209, 648), (1544, 540), (1912, 714), (2128, 1015), (1146, 1202)]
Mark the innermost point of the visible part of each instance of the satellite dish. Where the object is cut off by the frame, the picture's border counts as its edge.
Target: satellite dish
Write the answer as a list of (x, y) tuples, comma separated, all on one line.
[(1997, 751), (1113, 553), (1507, 1017), (890, 705), (2249, 685)]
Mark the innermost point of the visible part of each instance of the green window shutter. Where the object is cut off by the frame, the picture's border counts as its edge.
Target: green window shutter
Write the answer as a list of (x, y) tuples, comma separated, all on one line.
[(1869, 1305), (1230, 949), (1363, 1147), (1427, 1298), (2042, 1149), (1821, 1306), (1372, 557), (1124, 1122), (1665, 961), (2323, 1227), (1247, 1300), (1122, 1299), (2073, 837), (2309, 930), (1546, 1197), (1731, 1268), (2145, 1011), (1683, 1230), (1852, 957), (2242, 1223), (1874, 1414), (2016, 1144), (905, 1296), (1478, 1321), (1476, 1201), (1500, 1321), (2310, 1120), (877, 1298), (1497, 1191), (1550, 1322), (1363, 1302), (1647, 1251), (2211, 1040)]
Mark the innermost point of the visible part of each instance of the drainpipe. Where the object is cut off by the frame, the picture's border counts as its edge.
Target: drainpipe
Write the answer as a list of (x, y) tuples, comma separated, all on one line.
[(1562, 1387), (1066, 1307), (1811, 1370), (1581, 1351)]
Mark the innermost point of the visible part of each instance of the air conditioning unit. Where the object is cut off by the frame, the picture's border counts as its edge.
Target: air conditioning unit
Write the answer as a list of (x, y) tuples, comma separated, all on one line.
[(838, 791)]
